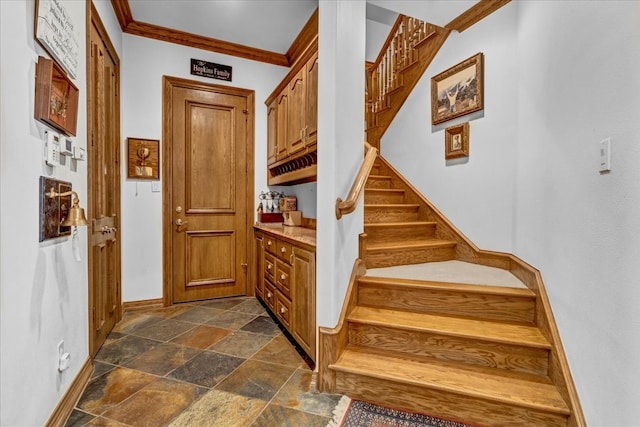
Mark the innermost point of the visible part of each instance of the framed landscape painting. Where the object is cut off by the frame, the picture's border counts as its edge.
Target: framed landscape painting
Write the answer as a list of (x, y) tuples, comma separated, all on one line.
[(458, 91)]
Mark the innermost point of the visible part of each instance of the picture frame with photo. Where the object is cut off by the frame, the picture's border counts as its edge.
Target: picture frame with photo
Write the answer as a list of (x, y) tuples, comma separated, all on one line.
[(143, 158), (456, 141), (458, 90)]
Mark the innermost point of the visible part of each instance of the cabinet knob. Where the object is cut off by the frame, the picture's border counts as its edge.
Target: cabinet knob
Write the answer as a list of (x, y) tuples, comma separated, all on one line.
[(283, 249), (282, 277), (268, 266), (283, 310), (269, 294), (268, 242)]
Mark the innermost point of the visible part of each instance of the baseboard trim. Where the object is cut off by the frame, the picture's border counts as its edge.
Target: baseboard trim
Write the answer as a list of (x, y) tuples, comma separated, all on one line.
[(144, 304), (60, 415)]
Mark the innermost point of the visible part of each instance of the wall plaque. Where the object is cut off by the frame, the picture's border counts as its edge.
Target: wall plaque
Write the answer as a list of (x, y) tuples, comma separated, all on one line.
[(57, 34), (210, 69)]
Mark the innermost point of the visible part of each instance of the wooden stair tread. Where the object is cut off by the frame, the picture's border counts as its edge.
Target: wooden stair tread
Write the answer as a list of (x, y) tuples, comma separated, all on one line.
[(504, 333), (410, 244), (498, 387), (384, 190), (400, 224), (392, 205), (449, 286), (380, 176)]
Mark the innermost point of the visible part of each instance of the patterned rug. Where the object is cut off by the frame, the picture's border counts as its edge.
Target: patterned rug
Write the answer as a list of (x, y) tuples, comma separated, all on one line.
[(355, 413)]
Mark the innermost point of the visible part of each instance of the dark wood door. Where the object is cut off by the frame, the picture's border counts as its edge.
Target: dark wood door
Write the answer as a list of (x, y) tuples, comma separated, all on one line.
[(210, 143), (104, 185)]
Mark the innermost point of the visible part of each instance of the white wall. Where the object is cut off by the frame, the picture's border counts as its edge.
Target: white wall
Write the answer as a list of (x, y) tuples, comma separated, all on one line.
[(144, 63), (559, 77), (43, 289), (476, 193), (579, 84), (340, 134)]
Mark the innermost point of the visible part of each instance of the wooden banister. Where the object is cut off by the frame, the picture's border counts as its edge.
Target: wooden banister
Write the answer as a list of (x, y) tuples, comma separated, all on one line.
[(349, 205)]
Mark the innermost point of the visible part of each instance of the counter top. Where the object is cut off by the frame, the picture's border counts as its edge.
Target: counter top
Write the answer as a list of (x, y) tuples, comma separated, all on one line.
[(297, 234)]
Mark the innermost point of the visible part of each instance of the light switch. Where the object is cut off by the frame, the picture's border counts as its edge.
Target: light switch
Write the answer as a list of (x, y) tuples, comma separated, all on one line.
[(155, 186), (605, 155)]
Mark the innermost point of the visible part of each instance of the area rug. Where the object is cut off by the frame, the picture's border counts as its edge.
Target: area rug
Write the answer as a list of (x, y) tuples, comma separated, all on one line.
[(356, 413)]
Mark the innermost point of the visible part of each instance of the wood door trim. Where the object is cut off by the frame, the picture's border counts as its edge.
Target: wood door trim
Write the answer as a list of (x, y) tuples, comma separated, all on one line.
[(168, 84), (93, 19)]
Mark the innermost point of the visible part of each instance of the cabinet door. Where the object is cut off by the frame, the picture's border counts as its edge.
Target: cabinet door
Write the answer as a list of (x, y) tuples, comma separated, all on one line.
[(259, 267), (282, 125), (311, 101), (297, 95), (272, 129), (303, 299)]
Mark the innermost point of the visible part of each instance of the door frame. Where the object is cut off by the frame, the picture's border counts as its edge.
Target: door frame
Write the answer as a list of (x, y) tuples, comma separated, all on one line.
[(93, 18), (168, 83)]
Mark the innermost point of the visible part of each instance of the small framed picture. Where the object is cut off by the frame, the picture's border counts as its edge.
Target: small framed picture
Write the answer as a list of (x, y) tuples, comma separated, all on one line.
[(56, 102), (456, 141), (143, 157)]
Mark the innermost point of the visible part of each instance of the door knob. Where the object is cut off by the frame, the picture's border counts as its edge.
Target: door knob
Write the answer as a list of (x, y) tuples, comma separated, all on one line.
[(180, 222)]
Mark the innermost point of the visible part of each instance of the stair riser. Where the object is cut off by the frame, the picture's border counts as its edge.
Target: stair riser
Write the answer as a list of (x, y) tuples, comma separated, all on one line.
[(435, 301), (378, 183), (392, 234), (426, 345), (442, 403), (403, 256), (390, 214), (373, 197)]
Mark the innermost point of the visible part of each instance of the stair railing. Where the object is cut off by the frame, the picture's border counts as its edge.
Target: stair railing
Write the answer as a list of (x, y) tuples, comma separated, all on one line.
[(397, 53), (349, 205)]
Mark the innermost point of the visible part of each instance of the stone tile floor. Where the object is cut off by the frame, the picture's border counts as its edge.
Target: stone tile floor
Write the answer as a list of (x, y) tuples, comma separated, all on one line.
[(213, 363)]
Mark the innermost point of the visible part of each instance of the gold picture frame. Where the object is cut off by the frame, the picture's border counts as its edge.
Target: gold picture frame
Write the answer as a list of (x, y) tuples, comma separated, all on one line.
[(458, 91), (143, 158), (456, 141)]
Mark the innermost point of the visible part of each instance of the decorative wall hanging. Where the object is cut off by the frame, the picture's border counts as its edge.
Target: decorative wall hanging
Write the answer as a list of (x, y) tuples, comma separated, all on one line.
[(56, 101), (458, 90), (143, 158), (55, 31), (456, 141), (53, 210)]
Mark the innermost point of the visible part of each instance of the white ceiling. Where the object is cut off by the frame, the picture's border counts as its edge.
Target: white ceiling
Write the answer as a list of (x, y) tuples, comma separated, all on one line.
[(274, 24)]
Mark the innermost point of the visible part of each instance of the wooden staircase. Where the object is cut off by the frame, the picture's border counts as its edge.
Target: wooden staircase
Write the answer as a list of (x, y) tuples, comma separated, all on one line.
[(409, 49), (481, 354)]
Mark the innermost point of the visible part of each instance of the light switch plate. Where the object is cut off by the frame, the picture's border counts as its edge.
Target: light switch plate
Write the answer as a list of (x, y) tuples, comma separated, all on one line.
[(605, 155)]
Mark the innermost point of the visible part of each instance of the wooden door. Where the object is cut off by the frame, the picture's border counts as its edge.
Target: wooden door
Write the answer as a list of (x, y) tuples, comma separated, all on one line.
[(272, 132), (311, 101), (208, 188), (282, 125), (297, 89), (103, 106), (303, 299)]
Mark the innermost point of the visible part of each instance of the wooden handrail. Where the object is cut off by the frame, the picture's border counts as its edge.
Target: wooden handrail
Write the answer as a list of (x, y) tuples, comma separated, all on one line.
[(349, 205)]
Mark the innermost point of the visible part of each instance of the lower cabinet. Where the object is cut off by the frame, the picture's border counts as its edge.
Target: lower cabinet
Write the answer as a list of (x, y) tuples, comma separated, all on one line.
[(286, 283)]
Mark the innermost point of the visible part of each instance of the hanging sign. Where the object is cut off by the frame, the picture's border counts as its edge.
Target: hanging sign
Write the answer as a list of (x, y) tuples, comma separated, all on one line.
[(210, 69)]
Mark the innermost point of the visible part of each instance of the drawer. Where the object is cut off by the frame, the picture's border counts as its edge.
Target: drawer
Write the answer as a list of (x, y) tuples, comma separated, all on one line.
[(269, 267), (269, 295), (283, 309), (269, 244), (283, 271), (284, 251)]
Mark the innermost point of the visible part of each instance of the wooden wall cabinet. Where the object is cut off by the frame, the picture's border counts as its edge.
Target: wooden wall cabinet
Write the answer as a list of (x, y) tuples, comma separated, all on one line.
[(292, 118), (286, 283)]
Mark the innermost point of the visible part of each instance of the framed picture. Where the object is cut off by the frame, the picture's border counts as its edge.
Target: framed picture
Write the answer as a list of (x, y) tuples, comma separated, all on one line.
[(456, 141), (458, 90), (53, 210), (56, 97), (143, 158)]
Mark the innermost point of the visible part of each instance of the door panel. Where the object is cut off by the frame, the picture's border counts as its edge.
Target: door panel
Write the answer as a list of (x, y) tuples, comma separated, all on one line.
[(103, 185), (210, 190)]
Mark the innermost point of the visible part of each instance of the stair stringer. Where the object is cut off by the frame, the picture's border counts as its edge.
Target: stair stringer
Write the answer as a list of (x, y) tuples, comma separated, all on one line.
[(467, 251)]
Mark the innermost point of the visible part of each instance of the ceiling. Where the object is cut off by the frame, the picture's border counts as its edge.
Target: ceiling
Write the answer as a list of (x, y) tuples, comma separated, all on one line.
[(273, 25)]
